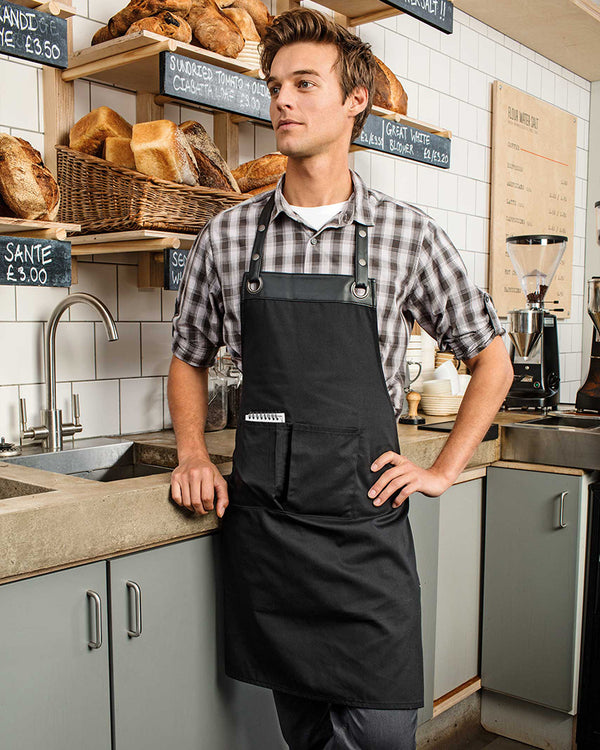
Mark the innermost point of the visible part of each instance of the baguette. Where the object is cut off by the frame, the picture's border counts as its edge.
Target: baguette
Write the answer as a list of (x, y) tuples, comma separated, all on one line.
[(27, 187), (262, 189), (260, 172), (213, 30), (89, 133), (212, 168), (160, 149), (138, 9), (165, 23), (389, 92)]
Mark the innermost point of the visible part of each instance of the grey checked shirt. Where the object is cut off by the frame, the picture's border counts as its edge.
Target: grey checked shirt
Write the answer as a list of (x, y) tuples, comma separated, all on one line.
[(419, 273)]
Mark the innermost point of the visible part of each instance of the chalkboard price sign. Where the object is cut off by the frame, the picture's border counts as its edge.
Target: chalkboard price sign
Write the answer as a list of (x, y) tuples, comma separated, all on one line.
[(33, 35), (397, 139), (174, 265), (34, 262), (437, 13), (202, 83)]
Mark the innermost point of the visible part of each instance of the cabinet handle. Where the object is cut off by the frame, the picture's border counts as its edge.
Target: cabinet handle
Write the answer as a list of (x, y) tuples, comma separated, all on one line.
[(96, 602), (562, 509), (136, 631)]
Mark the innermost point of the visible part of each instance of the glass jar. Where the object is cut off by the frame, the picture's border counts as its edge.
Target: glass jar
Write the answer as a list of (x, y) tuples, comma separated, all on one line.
[(216, 418)]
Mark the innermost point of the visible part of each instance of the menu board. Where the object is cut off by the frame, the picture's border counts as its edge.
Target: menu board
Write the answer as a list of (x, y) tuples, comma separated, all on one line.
[(34, 262), (175, 260), (33, 35), (437, 13), (400, 139), (533, 189)]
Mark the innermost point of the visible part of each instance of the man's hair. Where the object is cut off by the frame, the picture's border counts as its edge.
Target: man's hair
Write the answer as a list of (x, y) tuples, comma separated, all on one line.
[(355, 64)]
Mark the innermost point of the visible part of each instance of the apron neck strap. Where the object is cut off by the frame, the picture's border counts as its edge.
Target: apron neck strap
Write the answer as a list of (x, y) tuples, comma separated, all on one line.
[(361, 246)]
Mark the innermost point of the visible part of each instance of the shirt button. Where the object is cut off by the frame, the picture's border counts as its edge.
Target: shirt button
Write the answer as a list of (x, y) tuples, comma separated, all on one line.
[(314, 241)]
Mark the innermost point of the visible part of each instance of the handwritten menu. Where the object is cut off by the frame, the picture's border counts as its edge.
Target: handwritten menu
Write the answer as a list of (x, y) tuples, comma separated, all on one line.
[(174, 264), (399, 139), (437, 13), (33, 35), (533, 189), (34, 262)]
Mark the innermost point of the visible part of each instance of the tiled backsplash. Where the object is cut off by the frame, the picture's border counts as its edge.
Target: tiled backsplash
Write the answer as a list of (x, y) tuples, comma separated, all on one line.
[(122, 385)]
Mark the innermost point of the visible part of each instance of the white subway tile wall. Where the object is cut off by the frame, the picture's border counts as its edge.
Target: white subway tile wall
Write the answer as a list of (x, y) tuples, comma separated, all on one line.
[(448, 79)]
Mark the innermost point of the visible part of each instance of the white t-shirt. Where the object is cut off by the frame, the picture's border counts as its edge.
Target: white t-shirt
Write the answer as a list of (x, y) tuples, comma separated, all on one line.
[(316, 216)]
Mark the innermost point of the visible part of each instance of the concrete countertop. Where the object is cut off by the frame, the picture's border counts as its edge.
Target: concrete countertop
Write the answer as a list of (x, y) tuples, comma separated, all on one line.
[(52, 521)]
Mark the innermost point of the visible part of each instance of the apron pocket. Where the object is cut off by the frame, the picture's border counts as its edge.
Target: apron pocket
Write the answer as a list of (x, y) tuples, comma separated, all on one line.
[(257, 478), (322, 471)]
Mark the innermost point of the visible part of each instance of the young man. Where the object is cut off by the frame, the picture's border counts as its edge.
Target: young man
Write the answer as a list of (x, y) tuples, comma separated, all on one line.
[(314, 288)]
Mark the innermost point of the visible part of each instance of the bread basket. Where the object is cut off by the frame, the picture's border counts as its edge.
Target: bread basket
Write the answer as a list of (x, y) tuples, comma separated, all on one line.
[(104, 197)]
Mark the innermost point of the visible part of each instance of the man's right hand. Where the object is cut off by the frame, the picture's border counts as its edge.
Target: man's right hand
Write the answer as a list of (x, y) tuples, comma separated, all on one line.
[(194, 484)]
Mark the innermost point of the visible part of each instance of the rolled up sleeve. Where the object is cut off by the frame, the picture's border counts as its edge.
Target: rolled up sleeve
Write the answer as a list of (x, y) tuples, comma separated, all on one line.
[(446, 303), (198, 320)]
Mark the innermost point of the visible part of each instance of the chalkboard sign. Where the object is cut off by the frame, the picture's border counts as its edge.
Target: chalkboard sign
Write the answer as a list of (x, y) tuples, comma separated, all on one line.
[(34, 262), (196, 81), (174, 265), (397, 139), (33, 35), (437, 13)]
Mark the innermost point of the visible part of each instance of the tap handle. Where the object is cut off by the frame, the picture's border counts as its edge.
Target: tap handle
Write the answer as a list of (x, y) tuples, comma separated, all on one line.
[(76, 411), (23, 413)]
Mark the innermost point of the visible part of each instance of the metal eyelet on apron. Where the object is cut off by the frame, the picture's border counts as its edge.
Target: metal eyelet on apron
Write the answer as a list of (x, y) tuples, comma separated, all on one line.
[(354, 289), (257, 289)]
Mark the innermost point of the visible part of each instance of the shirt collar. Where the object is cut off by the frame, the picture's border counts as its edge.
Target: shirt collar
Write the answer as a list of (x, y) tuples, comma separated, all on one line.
[(359, 206)]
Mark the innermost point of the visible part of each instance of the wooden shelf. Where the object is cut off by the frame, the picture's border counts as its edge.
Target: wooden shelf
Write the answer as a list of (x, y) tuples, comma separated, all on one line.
[(135, 241), (565, 31), (53, 7), (406, 120), (51, 230), (132, 61)]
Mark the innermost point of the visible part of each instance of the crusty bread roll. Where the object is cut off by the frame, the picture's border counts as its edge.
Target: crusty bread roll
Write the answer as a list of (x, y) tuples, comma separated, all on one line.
[(160, 149), (89, 133), (257, 10), (243, 20), (138, 9), (165, 23), (260, 172), (27, 187), (389, 92), (213, 30), (102, 35), (118, 151), (212, 168)]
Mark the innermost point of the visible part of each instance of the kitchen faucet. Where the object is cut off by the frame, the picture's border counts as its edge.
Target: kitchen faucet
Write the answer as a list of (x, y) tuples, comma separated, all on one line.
[(52, 431)]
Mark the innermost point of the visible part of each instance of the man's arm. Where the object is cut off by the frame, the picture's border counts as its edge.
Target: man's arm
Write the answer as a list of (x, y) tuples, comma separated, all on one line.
[(492, 376), (196, 479)]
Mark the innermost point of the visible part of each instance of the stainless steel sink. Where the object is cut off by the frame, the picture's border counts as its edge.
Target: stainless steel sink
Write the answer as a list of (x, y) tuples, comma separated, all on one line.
[(99, 459), (556, 439)]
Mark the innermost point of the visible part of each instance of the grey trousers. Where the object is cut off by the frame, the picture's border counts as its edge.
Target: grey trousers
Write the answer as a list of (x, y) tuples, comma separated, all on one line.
[(308, 724)]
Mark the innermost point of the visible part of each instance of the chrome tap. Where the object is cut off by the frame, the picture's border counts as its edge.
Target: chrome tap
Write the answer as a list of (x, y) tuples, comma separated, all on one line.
[(52, 431)]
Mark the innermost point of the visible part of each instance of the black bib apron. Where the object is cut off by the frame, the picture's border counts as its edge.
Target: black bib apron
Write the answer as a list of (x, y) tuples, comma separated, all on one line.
[(321, 592)]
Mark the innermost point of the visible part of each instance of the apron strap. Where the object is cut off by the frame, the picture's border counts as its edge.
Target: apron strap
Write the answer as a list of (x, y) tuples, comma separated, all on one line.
[(361, 244)]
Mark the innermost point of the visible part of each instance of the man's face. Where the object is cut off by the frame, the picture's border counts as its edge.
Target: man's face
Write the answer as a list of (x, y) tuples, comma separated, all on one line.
[(307, 111)]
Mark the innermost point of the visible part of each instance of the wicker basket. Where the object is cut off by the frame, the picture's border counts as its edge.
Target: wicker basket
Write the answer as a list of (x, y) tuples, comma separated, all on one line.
[(103, 197)]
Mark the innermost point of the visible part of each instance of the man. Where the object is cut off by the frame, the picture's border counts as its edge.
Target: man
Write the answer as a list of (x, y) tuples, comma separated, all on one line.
[(314, 288)]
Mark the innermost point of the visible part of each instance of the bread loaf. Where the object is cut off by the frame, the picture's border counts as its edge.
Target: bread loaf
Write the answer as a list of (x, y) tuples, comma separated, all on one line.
[(27, 187), (212, 168), (165, 23), (213, 30), (5, 211), (138, 9), (257, 10), (260, 172), (118, 151), (389, 92), (243, 20), (160, 149), (262, 189), (102, 35), (89, 133)]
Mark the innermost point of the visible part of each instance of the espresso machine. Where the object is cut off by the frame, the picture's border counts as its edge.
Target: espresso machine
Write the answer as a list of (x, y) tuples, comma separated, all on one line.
[(533, 330)]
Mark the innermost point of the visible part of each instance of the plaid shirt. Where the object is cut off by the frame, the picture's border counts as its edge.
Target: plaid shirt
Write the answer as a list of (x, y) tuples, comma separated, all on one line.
[(419, 273)]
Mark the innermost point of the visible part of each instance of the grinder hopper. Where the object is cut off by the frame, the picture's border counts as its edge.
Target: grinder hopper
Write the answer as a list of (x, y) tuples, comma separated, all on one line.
[(535, 258)]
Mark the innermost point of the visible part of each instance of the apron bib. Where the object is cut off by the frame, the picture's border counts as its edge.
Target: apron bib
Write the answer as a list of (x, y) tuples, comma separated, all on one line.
[(321, 591)]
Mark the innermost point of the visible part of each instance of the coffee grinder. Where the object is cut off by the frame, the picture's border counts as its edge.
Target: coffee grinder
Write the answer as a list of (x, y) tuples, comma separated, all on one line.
[(533, 330)]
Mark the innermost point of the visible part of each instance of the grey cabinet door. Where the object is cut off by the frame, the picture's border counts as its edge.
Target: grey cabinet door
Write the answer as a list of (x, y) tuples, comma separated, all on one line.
[(169, 687), (424, 516), (54, 689), (531, 581)]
